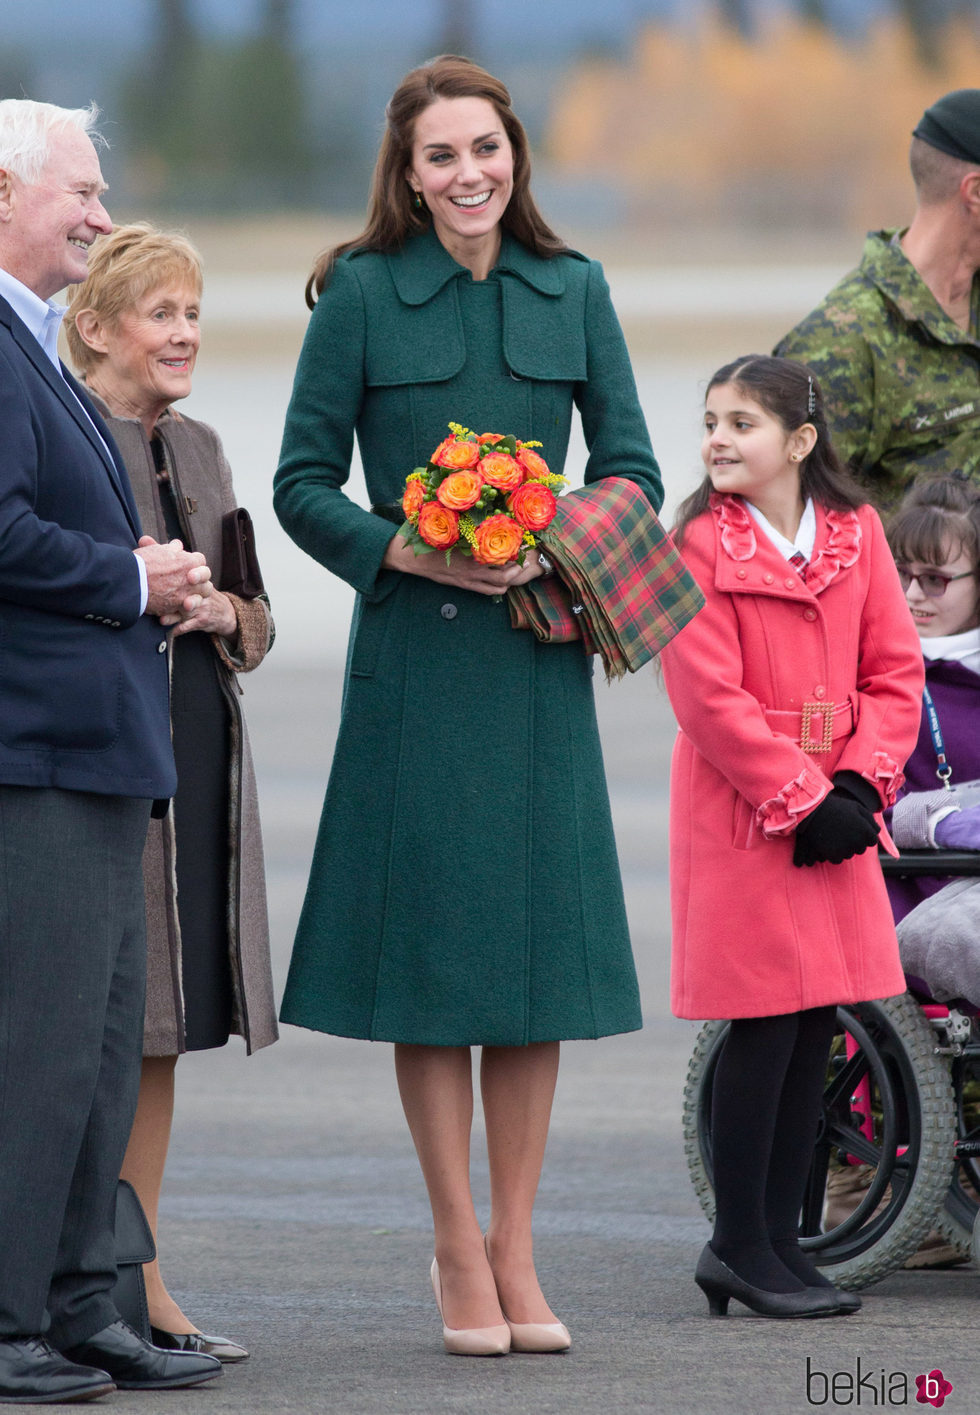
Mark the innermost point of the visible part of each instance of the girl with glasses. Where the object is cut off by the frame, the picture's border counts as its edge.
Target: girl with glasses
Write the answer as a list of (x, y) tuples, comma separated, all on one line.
[(935, 539)]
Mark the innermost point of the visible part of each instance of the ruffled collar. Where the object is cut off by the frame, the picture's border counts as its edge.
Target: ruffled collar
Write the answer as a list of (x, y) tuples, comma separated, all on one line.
[(838, 549)]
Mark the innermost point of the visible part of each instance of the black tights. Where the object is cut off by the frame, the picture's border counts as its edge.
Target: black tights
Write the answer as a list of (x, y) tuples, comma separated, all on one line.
[(765, 1105)]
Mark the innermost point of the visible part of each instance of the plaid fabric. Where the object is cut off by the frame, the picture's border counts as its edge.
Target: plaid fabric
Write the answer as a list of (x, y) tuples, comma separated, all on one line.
[(620, 585)]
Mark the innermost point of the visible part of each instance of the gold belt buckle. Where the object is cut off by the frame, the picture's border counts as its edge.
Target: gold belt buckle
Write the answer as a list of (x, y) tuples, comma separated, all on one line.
[(825, 712)]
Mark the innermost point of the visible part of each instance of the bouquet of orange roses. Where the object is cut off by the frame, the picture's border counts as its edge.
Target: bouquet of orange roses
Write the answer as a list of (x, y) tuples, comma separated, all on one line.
[(485, 495)]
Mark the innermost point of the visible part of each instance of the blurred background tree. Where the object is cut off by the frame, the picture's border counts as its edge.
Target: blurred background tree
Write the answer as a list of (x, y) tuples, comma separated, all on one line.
[(218, 124), (760, 114)]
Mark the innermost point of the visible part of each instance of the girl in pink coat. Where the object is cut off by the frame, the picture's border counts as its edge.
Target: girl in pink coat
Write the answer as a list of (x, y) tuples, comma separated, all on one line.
[(797, 690)]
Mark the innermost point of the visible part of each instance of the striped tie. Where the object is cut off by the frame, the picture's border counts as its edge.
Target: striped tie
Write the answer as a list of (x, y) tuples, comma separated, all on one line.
[(799, 562)]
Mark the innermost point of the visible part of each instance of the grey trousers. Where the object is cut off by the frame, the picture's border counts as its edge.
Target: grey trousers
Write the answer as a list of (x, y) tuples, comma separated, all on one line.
[(72, 982)]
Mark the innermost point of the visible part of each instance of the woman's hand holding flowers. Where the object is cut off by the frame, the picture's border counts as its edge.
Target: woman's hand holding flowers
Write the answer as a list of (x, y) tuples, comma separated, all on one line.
[(462, 572)]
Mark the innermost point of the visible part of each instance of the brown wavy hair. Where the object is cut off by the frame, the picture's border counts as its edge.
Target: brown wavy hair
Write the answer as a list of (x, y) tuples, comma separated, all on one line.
[(782, 387), (937, 520), (391, 216)]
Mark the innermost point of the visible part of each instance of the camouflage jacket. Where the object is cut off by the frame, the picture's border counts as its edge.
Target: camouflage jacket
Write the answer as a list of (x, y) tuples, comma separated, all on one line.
[(901, 380)]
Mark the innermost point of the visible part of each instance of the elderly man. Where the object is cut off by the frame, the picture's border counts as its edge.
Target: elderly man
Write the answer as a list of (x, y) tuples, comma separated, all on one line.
[(896, 344), (84, 751)]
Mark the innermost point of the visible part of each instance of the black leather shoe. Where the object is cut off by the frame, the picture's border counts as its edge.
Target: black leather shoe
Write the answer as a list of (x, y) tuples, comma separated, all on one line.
[(136, 1365), (218, 1346), (33, 1373), (719, 1284)]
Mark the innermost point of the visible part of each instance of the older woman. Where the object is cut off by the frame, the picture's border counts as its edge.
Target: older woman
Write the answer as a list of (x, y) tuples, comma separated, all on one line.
[(133, 333), (465, 889)]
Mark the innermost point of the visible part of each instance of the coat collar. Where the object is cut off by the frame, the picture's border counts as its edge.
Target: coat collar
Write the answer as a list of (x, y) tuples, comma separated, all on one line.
[(423, 266), (749, 562), (889, 268)]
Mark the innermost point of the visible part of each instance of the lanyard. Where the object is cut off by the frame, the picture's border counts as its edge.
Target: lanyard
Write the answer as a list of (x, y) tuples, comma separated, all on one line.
[(943, 769)]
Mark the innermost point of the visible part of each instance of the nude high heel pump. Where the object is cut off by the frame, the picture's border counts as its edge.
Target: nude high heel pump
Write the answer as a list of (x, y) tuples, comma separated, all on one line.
[(538, 1337), (469, 1341)]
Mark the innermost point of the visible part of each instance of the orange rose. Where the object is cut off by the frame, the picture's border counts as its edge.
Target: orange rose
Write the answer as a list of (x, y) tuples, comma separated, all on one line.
[(413, 498), (460, 490), (502, 470), (456, 455), (533, 504), (534, 466), (438, 526), (490, 438), (498, 539)]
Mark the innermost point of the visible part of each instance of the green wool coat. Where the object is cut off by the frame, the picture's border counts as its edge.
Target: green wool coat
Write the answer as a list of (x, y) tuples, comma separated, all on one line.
[(465, 887)]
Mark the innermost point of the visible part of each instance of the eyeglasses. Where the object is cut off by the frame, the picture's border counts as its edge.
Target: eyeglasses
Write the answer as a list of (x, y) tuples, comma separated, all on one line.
[(930, 582)]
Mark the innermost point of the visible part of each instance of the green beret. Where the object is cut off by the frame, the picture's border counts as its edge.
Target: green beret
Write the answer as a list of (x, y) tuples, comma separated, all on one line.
[(953, 124)]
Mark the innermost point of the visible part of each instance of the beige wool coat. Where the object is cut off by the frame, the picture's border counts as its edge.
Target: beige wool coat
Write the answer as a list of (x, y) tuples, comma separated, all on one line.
[(201, 480)]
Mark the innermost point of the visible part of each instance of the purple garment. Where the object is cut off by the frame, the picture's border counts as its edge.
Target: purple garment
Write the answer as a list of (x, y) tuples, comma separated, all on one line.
[(956, 693)]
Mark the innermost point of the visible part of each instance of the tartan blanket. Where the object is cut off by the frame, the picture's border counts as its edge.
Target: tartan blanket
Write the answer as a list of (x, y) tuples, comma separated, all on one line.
[(620, 584)]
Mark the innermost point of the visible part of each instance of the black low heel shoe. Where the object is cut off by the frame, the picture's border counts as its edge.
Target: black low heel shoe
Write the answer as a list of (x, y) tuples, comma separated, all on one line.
[(719, 1284), (847, 1302)]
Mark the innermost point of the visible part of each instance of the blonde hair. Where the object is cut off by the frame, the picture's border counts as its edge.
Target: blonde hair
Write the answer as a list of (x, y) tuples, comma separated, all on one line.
[(122, 268)]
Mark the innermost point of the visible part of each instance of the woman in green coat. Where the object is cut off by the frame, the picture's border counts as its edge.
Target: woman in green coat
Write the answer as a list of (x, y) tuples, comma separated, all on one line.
[(465, 888)]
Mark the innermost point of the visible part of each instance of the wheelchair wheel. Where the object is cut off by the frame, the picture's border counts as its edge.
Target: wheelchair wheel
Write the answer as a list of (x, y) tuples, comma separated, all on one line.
[(888, 1108), (958, 1218)]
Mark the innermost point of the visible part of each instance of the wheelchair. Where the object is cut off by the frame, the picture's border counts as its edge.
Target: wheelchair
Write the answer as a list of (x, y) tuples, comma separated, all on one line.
[(900, 1124)]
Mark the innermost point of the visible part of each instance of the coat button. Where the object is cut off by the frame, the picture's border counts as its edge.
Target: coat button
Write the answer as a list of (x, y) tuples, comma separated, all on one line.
[(449, 611), (810, 614), (820, 691), (789, 584), (162, 646), (768, 579), (741, 574)]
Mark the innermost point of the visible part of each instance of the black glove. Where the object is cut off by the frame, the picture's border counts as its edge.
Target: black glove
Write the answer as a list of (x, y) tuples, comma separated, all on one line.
[(839, 828), (858, 789)]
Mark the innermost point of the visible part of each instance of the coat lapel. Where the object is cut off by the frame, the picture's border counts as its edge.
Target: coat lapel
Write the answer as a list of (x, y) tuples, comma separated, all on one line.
[(76, 406)]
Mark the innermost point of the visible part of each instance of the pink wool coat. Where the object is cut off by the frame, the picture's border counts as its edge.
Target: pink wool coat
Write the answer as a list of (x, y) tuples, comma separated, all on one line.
[(753, 935)]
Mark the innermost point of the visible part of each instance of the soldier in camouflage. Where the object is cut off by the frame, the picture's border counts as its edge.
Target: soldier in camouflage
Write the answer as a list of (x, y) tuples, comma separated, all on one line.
[(896, 344)]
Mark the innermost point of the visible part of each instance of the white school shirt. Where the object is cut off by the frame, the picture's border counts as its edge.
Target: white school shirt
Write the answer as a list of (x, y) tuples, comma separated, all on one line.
[(806, 533)]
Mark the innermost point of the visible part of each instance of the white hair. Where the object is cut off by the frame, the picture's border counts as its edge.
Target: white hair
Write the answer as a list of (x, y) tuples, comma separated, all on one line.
[(25, 133)]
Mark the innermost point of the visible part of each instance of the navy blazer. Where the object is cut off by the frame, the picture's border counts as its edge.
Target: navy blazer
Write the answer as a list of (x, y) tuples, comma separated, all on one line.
[(84, 698)]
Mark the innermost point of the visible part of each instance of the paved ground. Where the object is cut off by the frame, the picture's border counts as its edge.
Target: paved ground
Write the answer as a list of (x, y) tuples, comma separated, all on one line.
[(294, 1215)]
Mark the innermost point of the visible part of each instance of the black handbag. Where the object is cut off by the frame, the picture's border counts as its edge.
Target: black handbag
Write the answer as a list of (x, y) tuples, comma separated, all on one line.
[(240, 573), (134, 1247)]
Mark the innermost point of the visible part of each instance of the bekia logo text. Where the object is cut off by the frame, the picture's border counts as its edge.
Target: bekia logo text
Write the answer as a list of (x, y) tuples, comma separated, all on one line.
[(870, 1387)]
